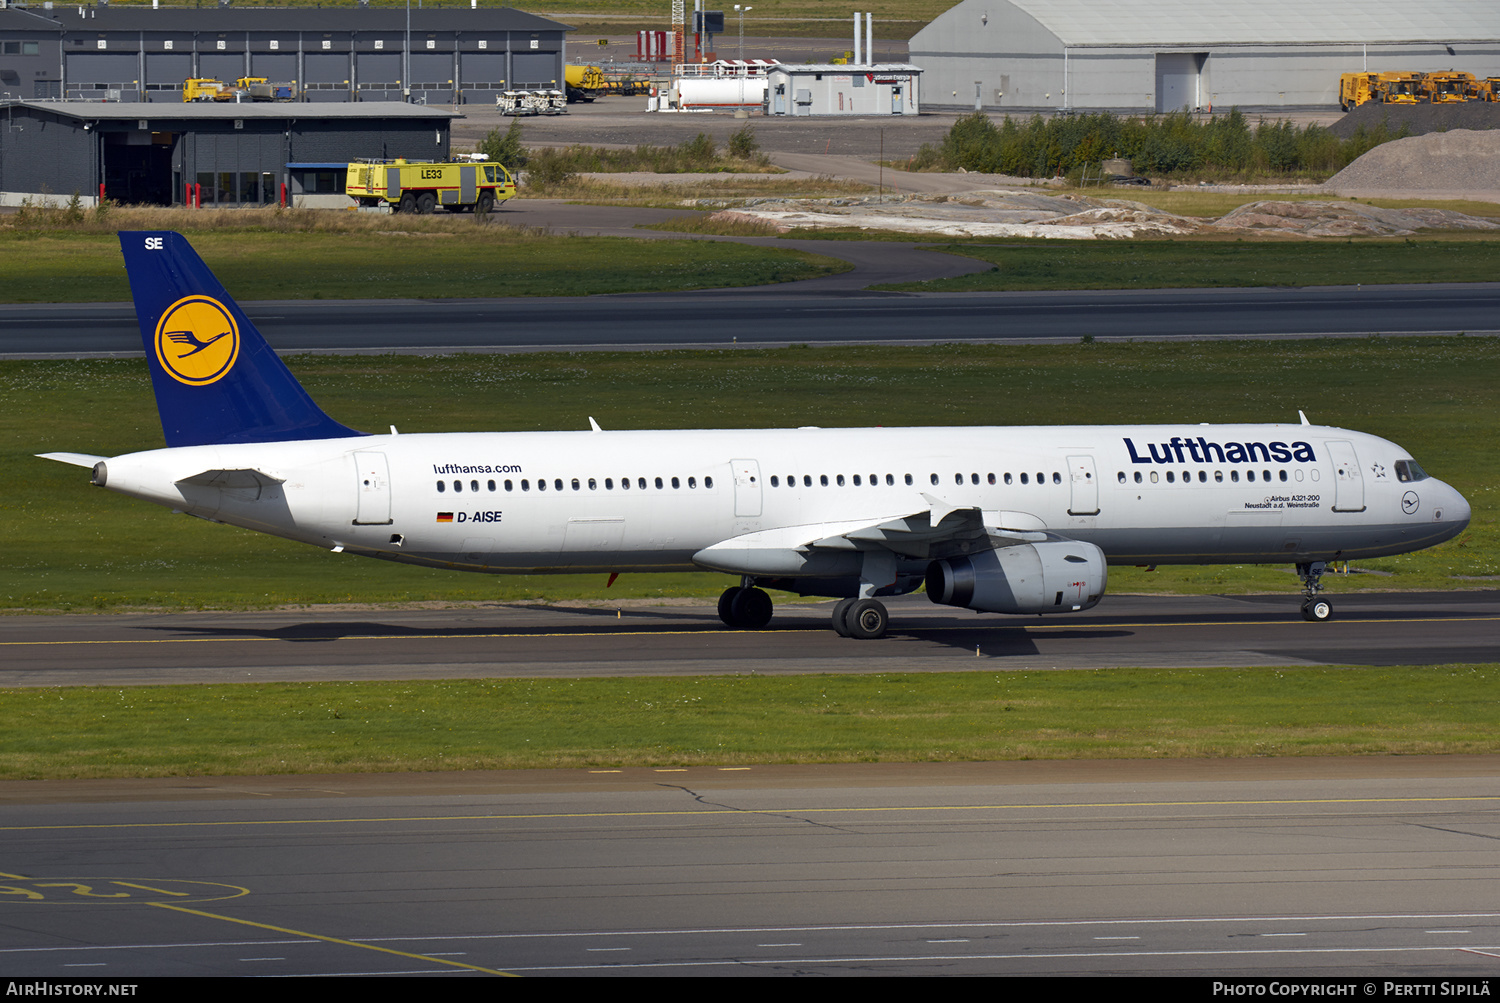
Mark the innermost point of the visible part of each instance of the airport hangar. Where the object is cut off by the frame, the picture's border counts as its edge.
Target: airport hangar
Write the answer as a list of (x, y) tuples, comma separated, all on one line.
[(456, 55), (1144, 56), (207, 154)]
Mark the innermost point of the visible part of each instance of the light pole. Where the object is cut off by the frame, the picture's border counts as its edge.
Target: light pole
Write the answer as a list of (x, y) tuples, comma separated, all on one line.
[(741, 11)]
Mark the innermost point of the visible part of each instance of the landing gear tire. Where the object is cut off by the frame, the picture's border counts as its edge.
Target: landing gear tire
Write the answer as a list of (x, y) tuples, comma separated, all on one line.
[(1317, 610), (751, 609), (866, 619), (841, 617), (426, 203), (408, 203), (726, 604), (745, 609)]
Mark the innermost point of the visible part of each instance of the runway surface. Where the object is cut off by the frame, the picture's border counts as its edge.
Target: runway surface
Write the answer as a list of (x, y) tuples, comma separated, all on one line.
[(687, 639), (820, 311), (1366, 868), (1360, 867)]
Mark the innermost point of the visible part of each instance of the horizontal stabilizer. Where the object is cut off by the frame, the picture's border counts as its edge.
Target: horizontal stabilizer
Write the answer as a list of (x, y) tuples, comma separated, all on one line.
[(77, 459)]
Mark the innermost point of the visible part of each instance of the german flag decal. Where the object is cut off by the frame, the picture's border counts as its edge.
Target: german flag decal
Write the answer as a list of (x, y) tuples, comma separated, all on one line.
[(445, 517)]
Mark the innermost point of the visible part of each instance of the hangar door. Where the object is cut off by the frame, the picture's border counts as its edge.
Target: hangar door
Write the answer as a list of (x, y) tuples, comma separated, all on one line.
[(1179, 80)]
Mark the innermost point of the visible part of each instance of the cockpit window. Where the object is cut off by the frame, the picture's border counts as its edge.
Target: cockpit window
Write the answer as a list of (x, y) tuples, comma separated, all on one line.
[(1409, 470)]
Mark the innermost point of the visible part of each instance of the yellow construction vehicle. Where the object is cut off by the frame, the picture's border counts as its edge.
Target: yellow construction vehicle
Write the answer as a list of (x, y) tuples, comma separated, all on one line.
[(422, 186), (1489, 89), (1450, 87), (202, 89), (1356, 89)]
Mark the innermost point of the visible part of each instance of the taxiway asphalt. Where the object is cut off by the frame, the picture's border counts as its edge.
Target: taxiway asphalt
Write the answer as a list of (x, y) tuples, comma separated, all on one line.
[(1362, 868), (512, 640)]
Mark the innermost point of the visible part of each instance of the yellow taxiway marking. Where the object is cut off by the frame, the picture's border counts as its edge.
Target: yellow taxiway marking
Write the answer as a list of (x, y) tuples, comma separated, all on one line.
[(331, 940), (297, 933), (1071, 625), (699, 813)]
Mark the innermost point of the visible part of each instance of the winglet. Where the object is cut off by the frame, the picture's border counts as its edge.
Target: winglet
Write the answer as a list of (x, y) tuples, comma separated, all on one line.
[(216, 379), (1303, 417), (594, 425)]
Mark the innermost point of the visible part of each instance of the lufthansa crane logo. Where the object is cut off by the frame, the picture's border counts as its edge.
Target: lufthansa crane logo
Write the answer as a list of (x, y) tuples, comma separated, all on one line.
[(197, 340)]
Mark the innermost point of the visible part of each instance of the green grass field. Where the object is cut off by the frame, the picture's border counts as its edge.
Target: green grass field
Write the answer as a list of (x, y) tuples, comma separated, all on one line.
[(1158, 264), (72, 547), (538, 723), (307, 254)]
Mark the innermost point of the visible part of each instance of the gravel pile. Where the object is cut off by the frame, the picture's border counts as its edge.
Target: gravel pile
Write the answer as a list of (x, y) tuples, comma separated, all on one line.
[(1343, 219), (1464, 160), (1419, 119)]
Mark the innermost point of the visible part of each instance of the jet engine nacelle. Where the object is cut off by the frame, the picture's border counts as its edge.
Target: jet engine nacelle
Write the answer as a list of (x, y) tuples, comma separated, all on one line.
[(1054, 577)]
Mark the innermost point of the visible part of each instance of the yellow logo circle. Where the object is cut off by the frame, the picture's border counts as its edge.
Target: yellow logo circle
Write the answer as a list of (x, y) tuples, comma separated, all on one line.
[(197, 340)]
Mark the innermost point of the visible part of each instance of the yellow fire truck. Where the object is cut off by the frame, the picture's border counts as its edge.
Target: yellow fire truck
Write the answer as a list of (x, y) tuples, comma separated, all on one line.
[(421, 186)]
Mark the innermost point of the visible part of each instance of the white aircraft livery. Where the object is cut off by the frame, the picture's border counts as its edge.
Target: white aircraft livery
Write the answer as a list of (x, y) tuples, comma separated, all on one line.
[(993, 519)]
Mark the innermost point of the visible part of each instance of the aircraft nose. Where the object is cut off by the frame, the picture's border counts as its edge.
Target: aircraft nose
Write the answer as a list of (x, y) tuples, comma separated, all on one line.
[(1457, 510)]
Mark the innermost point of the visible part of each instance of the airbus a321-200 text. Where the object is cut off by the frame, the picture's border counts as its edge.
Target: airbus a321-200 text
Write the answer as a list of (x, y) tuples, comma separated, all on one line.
[(1000, 520)]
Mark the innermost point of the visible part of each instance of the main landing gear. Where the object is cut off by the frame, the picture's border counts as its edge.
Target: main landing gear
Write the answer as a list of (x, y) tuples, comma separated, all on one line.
[(749, 608), (745, 608), (864, 619), (1314, 610)]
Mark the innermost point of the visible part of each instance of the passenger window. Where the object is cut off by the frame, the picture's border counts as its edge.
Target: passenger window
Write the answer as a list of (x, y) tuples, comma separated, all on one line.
[(557, 483), (708, 483), (692, 483), (658, 484), (442, 486), (992, 478), (474, 486), (823, 480), (676, 484), (1024, 480), (640, 482), (1283, 476), (458, 485), (492, 485), (856, 480), (908, 480), (934, 478), (1007, 477), (839, 480), (593, 484), (1056, 477), (1122, 477), (624, 483), (807, 480), (541, 485), (775, 482), (609, 483), (1153, 477), (1170, 478), (575, 484), (1203, 477), (509, 486), (1219, 476), (525, 485)]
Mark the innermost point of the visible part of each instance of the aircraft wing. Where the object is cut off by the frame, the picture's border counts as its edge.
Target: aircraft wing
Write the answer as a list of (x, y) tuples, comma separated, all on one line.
[(941, 530)]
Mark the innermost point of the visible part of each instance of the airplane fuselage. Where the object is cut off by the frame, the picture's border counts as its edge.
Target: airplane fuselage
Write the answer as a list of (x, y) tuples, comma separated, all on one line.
[(529, 502)]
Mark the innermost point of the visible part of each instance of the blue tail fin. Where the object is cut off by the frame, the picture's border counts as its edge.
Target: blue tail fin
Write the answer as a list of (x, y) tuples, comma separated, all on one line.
[(216, 379)]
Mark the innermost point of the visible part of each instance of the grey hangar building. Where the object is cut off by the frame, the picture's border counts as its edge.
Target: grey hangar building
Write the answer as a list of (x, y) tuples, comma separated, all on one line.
[(1149, 56), (91, 96)]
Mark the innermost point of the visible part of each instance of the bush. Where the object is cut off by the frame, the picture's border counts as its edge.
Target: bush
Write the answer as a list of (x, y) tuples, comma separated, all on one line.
[(1174, 144), (506, 149), (742, 144)]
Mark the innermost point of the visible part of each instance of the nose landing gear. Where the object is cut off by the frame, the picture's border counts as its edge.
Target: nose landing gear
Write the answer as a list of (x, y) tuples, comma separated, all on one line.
[(1314, 610)]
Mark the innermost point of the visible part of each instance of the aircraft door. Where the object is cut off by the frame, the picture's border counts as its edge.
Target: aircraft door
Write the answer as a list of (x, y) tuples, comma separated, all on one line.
[(1349, 486), (1085, 496), (373, 481), (746, 487)]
